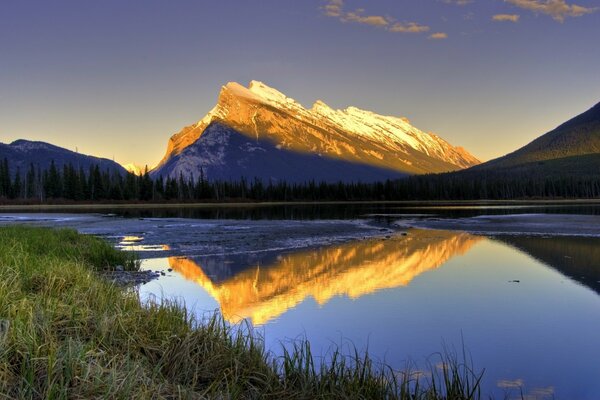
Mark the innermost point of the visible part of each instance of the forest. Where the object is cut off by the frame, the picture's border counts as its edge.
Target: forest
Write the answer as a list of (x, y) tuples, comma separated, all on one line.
[(71, 184)]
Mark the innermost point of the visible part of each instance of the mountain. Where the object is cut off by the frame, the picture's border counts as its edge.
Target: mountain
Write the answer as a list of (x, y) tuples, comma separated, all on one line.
[(21, 153), (574, 145), (135, 169), (259, 132), (564, 163)]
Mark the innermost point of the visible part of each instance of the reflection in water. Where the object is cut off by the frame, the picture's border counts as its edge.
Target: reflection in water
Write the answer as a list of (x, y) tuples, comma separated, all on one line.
[(132, 243), (261, 293), (575, 257), (143, 247), (131, 239)]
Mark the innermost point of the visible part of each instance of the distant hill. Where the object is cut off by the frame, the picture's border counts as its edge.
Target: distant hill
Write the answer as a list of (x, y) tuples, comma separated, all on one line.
[(21, 153), (563, 163), (579, 136)]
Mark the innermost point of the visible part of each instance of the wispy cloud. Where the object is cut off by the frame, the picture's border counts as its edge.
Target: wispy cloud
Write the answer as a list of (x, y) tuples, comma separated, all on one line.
[(358, 16), (438, 36), (458, 2), (557, 9), (411, 27), (335, 9), (506, 18)]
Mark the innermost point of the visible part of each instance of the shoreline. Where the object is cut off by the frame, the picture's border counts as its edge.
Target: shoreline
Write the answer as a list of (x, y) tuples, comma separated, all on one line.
[(552, 225), (406, 204)]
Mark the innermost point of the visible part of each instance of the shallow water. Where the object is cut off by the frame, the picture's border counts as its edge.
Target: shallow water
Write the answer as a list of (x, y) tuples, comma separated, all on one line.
[(526, 307), (528, 321)]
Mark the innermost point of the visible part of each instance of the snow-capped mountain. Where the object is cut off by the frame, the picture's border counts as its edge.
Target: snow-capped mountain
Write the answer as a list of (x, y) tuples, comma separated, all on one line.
[(260, 132)]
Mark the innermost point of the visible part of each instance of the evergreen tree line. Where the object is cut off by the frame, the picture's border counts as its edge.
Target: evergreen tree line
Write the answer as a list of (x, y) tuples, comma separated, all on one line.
[(76, 184)]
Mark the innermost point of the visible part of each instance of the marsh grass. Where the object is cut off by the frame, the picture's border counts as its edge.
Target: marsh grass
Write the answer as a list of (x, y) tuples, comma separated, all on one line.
[(65, 333), (63, 245)]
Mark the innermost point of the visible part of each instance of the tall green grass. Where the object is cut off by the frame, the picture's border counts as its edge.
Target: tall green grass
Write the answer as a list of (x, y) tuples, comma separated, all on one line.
[(63, 245), (65, 333)]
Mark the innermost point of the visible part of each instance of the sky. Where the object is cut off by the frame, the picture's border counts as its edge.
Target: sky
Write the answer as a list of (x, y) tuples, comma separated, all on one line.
[(117, 78)]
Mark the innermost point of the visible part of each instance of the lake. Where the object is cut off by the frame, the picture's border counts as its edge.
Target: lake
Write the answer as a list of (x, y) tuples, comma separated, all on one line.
[(524, 304)]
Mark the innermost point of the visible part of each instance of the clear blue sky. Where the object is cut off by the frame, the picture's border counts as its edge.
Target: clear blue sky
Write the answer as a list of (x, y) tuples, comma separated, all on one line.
[(116, 78)]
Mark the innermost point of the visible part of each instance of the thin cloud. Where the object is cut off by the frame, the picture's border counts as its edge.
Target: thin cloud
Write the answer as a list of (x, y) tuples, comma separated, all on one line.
[(335, 9), (411, 27), (458, 2), (357, 16), (438, 36), (506, 18), (557, 9)]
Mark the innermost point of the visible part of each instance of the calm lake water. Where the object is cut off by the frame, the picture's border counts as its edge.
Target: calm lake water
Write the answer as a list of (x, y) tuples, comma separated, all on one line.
[(525, 308)]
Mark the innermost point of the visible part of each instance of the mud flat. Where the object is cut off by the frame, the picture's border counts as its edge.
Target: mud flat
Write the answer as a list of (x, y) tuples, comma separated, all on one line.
[(163, 237), (516, 224)]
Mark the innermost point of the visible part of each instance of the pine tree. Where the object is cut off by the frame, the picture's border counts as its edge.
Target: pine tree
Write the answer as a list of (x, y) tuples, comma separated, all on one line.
[(16, 186), (30, 191), (5, 183)]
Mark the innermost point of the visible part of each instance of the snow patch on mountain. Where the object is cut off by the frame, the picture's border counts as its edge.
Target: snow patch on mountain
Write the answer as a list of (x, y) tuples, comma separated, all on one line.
[(352, 134)]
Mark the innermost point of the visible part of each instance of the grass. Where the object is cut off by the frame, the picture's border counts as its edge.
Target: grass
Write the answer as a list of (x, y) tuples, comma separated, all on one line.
[(65, 333)]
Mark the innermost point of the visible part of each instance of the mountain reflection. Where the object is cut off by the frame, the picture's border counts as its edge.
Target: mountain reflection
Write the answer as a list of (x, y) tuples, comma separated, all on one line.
[(261, 292), (575, 257)]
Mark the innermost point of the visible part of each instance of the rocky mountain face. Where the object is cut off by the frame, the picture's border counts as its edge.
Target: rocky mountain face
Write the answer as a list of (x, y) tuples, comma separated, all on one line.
[(22, 153), (259, 132)]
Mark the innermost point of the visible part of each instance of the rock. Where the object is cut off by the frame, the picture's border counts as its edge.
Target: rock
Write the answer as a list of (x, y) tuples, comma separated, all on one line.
[(119, 268)]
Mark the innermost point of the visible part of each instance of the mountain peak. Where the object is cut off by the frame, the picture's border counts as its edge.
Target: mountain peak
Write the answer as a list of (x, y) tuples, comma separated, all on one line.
[(591, 115), (352, 135), (239, 91), (320, 106), (135, 169), (25, 142), (265, 90)]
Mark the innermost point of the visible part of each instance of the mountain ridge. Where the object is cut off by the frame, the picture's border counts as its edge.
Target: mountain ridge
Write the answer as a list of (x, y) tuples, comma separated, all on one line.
[(352, 135), (22, 153), (579, 136)]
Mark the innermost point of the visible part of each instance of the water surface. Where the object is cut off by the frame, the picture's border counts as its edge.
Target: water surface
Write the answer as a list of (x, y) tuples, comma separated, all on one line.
[(527, 309), (521, 292)]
